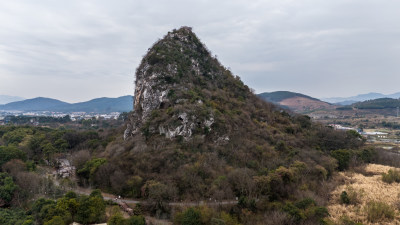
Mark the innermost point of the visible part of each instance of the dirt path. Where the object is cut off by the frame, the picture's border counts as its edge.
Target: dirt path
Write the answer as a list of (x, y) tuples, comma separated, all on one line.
[(114, 198)]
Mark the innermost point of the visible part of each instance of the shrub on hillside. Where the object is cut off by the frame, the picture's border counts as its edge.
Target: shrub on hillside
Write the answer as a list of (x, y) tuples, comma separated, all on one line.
[(391, 176), (343, 158), (345, 220), (378, 211), (344, 198), (203, 215), (351, 196)]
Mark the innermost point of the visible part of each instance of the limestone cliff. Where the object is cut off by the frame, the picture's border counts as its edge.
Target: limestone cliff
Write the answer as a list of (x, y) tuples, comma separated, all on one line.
[(173, 77)]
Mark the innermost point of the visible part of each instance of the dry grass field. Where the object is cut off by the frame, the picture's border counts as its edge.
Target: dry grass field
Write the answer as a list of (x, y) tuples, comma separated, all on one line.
[(362, 188)]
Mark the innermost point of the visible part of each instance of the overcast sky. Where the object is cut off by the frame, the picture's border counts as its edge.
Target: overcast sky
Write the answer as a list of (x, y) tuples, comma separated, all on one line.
[(78, 50)]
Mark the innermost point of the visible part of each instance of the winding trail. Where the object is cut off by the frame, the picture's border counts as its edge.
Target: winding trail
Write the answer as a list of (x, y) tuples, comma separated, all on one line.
[(86, 191), (114, 198)]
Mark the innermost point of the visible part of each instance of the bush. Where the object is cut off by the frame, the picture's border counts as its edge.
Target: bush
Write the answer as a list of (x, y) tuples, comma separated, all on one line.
[(391, 176), (344, 198), (203, 215), (294, 212), (343, 158), (321, 212), (191, 217), (351, 196), (378, 211), (345, 220), (118, 219), (57, 220), (136, 220), (305, 203)]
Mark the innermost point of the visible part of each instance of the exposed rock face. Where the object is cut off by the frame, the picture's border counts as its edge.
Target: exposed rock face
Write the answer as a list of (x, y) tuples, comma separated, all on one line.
[(163, 80)]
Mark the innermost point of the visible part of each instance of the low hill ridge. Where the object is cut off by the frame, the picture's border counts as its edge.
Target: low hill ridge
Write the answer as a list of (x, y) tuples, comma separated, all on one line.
[(359, 98), (295, 101), (380, 103), (278, 96), (4, 99)]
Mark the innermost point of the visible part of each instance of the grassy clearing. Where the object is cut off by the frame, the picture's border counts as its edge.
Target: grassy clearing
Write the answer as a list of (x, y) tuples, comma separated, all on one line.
[(369, 200)]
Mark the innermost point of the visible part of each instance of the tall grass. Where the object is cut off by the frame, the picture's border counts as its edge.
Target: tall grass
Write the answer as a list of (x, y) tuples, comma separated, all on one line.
[(391, 176), (377, 211)]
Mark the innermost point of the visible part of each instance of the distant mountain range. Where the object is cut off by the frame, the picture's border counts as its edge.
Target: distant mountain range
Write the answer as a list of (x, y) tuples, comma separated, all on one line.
[(359, 98), (4, 99), (98, 105), (295, 101)]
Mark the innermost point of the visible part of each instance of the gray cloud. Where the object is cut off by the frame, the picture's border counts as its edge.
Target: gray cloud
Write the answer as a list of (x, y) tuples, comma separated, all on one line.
[(77, 50)]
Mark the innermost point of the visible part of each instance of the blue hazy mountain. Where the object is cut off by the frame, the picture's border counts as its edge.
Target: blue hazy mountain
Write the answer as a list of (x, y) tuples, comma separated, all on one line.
[(4, 99), (102, 105), (34, 104), (98, 105), (359, 98)]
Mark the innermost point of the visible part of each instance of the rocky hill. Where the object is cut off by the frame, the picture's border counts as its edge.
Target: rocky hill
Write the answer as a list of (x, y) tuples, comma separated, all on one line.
[(197, 132), (182, 91), (295, 101)]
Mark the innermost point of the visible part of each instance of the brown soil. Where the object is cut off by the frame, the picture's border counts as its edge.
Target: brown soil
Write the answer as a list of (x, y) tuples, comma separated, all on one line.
[(301, 104)]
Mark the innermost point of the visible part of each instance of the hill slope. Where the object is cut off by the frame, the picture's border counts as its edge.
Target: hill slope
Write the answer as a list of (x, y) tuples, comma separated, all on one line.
[(295, 101), (197, 132)]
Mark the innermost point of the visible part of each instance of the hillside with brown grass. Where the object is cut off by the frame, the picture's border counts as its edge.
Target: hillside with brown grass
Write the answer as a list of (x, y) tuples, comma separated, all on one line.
[(301, 104), (365, 188)]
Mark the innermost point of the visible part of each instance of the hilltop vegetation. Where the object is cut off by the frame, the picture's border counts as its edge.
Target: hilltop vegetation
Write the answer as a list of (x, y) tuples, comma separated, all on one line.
[(381, 103)]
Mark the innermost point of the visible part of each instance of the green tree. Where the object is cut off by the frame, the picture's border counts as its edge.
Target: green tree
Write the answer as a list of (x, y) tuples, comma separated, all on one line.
[(91, 209), (48, 149), (191, 216), (116, 219), (134, 183), (61, 145), (69, 205), (136, 220), (7, 189), (343, 158), (16, 136), (15, 217), (40, 208), (10, 152), (90, 168), (56, 220)]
